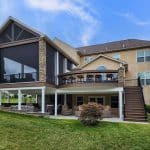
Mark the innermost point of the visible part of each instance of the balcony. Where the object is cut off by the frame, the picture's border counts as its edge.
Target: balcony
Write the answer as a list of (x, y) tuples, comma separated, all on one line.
[(89, 78), (20, 77)]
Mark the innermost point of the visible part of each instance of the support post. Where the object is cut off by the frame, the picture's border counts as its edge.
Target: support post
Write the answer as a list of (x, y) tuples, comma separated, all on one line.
[(65, 100), (19, 99), (56, 67), (43, 100), (0, 98), (121, 105), (65, 65), (56, 95)]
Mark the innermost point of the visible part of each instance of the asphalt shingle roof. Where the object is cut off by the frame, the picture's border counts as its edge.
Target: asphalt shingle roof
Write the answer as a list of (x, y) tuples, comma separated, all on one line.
[(113, 46)]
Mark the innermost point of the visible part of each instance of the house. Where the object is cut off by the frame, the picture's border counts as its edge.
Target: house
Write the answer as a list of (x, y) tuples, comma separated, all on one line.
[(64, 77)]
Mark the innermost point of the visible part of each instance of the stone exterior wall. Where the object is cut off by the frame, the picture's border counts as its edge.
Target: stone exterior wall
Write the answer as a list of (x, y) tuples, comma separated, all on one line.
[(121, 76), (42, 60)]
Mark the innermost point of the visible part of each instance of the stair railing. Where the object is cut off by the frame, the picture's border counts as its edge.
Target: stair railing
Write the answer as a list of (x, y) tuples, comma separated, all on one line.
[(140, 85)]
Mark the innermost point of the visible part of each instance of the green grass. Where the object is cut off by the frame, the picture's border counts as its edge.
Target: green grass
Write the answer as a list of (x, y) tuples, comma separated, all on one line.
[(21, 132)]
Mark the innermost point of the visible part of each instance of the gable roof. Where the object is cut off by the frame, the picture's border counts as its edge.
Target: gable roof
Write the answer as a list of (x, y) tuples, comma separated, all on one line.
[(39, 35), (107, 57), (113, 46), (26, 27)]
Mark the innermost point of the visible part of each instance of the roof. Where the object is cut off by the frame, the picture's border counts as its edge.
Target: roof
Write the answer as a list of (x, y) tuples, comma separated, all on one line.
[(113, 46), (12, 19), (34, 31), (107, 57)]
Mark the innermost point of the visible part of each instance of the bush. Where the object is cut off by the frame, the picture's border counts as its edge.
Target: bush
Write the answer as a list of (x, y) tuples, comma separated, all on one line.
[(148, 108), (91, 113)]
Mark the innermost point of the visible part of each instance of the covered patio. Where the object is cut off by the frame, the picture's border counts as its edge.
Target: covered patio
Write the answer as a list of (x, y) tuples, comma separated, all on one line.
[(68, 100)]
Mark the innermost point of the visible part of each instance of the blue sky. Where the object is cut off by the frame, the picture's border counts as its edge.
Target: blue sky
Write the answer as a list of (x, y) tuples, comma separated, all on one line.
[(82, 22)]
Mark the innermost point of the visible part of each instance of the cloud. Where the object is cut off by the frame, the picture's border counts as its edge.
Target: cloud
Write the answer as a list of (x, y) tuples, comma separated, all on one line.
[(134, 19), (77, 8), (5, 9)]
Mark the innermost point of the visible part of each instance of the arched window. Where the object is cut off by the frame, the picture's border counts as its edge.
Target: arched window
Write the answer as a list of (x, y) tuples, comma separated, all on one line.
[(101, 68)]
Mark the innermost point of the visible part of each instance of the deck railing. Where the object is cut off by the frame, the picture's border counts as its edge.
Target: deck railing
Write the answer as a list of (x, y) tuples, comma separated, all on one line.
[(89, 77), (20, 77)]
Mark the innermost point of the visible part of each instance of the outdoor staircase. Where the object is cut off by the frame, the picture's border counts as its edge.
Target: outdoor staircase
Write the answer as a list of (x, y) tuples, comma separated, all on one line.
[(134, 104)]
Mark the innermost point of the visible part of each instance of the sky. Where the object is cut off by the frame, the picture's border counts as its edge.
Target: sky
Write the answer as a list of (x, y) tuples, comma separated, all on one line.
[(82, 22)]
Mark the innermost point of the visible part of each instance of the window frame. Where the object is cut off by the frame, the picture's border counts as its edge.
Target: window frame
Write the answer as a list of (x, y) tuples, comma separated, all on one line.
[(77, 100), (142, 57), (96, 97), (111, 101), (144, 78)]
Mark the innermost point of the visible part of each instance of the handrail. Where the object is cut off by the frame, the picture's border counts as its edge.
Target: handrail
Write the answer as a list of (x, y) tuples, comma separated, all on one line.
[(89, 78), (20, 77), (140, 85)]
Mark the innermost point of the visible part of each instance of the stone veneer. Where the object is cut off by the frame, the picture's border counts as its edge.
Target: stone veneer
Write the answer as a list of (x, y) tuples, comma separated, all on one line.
[(42, 60), (121, 76)]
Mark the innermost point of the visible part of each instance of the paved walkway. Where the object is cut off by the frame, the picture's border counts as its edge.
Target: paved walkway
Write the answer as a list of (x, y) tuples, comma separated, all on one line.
[(105, 119)]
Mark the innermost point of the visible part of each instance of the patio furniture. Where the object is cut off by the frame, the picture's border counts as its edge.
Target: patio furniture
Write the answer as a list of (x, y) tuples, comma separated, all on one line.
[(106, 113), (78, 111), (66, 111), (50, 109)]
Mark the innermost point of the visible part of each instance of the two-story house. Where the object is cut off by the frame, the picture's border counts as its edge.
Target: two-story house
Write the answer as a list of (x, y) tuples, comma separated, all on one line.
[(64, 77)]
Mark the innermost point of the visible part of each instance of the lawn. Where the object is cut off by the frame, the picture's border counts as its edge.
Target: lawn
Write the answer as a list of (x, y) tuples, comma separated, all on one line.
[(21, 132)]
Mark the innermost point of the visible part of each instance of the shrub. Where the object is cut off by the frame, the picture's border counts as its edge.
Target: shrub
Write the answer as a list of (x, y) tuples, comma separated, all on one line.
[(148, 108), (91, 113)]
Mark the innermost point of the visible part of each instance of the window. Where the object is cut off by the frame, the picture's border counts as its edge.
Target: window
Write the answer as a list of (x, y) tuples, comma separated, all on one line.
[(79, 100), (69, 65), (142, 77), (143, 56), (147, 55), (87, 59), (101, 68), (140, 56), (114, 101), (116, 56), (100, 100), (145, 78), (11, 66), (97, 99)]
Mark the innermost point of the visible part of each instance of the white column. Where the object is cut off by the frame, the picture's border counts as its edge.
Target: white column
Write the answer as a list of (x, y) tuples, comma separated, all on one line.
[(65, 99), (56, 67), (120, 105), (65, 65), (0, 98), (56, 103), (19, 99), (43, 100)]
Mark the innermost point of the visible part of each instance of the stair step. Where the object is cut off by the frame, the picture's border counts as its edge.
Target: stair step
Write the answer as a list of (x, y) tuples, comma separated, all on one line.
[(135, 119), (134, 113)]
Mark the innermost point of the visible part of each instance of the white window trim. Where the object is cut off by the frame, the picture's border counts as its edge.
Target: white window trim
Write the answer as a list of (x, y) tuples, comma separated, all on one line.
[(144, 56), (144, 77), (96, 98)]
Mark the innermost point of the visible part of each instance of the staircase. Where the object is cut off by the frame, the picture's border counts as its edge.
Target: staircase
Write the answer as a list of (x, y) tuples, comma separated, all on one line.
[(134, 104)]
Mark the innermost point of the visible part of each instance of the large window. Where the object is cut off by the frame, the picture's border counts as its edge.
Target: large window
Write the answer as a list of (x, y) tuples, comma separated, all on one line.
[(11, 67), (145, 78), (143, 56)]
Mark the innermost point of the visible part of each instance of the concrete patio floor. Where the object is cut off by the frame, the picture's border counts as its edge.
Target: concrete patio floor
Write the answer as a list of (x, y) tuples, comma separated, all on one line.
[(104, 119)]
